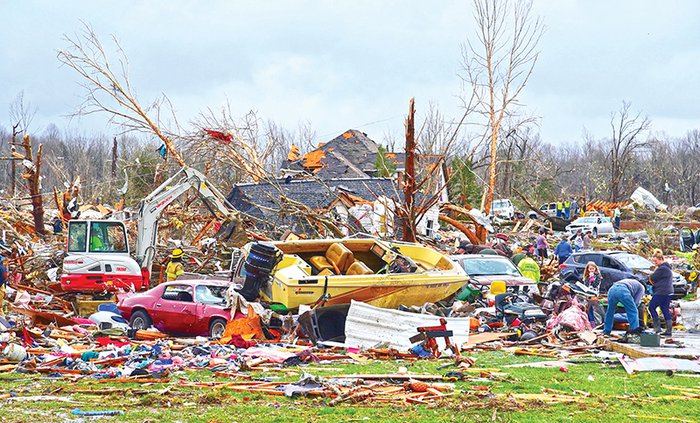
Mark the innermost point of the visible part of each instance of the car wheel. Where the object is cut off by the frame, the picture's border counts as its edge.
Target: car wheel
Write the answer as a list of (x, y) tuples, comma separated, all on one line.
[(595, 233), (140, 320), (217, 328)]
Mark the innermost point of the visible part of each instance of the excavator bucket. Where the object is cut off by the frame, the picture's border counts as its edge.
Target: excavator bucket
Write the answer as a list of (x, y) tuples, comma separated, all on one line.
[(232, 232)]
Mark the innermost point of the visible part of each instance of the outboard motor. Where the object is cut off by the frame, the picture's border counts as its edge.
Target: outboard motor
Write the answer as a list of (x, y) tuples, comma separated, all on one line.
[(262, 259)]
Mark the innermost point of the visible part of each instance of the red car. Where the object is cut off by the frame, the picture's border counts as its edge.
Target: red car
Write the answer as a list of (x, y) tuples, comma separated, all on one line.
[(183, 307)]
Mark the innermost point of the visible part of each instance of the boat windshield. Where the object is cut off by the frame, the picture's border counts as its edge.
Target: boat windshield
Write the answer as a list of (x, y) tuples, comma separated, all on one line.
[(490, 266)]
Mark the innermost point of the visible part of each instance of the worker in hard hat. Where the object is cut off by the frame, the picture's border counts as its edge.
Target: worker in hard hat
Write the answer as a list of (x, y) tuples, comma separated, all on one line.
[(175, 268)]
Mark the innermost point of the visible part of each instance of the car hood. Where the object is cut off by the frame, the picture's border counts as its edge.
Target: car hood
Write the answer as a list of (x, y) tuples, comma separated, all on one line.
[(509, 280)]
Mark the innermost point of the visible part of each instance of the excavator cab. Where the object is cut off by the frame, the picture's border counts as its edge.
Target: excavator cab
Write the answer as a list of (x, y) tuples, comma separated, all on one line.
[(98, 258), (97, 236)]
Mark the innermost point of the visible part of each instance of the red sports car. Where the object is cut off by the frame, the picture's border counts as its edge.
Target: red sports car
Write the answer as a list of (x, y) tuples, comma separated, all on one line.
[(183, 307)]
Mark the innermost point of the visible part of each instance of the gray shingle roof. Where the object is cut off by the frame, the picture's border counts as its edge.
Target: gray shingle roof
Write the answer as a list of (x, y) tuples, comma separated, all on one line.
[(262, 200), (349, 155)]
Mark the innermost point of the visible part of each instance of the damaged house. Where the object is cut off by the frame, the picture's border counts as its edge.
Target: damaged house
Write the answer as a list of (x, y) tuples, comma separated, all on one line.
[(338, 180)]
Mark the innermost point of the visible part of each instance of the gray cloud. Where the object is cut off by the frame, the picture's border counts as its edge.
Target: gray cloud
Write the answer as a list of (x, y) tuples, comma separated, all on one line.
[(344, 65)]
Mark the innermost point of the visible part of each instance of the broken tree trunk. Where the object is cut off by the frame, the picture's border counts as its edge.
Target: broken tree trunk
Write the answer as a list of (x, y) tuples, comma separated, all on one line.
[(461, 227), (114, 158), (529, 204), (409, 229), (13, 175), (32, 176)]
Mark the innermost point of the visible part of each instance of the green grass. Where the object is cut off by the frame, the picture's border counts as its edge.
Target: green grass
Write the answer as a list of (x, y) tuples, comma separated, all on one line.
[(222, 405)]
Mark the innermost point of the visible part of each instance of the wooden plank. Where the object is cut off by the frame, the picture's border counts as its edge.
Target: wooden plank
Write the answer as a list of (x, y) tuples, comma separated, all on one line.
[(627, 350), (481, 338)]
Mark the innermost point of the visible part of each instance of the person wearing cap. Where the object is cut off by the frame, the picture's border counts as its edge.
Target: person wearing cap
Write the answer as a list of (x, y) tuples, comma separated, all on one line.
[(500, 244), (628, 292), (3, 282), (175, 267)]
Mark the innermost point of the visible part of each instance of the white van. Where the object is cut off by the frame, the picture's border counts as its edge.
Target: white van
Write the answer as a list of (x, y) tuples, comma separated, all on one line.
[(502, 208)]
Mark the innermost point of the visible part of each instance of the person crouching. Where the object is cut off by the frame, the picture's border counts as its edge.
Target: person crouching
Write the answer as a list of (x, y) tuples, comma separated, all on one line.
[(629, 292)]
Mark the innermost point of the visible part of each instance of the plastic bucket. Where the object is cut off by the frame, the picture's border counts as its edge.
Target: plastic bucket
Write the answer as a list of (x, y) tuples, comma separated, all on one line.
[(14, 352)]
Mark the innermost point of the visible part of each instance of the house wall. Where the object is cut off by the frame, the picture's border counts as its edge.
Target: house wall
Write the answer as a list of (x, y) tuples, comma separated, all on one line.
[(430, 222)]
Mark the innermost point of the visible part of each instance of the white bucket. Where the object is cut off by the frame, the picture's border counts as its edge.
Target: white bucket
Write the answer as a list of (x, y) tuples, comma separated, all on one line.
[(14, 352)]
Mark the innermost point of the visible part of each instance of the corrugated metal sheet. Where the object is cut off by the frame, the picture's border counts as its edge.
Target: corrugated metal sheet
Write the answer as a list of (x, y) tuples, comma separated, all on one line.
[(367, 326)]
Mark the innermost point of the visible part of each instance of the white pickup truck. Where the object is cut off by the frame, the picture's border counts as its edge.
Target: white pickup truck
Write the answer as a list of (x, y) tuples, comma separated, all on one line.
[(502, 208)]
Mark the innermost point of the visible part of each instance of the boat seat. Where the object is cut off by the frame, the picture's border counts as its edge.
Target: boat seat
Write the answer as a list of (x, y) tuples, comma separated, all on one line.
[(326, 272), (338, 258), (359, 268)]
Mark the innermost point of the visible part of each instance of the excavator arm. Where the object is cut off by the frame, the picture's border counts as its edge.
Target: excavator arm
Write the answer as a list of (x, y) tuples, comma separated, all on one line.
[(151, 207)]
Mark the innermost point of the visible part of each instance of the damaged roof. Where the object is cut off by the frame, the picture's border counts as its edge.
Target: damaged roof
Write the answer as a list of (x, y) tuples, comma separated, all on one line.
[(264, 200), (349, 155)]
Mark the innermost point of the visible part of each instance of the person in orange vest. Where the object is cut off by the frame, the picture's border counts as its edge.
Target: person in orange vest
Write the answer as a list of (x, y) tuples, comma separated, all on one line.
[(175, 267)]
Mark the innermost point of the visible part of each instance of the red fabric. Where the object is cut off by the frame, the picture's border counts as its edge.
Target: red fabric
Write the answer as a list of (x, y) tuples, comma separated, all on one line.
[(239, 342), (28, 340), (219, 136), (104, 341)]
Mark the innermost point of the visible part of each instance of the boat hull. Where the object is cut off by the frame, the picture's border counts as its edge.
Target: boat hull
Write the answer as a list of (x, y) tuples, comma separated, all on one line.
[(385, 292), (294, 284)]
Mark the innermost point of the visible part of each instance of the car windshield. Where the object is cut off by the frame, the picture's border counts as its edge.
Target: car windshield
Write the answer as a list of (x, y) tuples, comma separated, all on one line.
[(500, 204), (586, 220), (210, 294), (483, 267), (634, 261)]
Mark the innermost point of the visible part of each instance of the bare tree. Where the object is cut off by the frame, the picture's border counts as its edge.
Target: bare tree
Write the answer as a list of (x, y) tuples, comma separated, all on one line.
[(21, 115), (626, 141), (497, 66), (110, 91)]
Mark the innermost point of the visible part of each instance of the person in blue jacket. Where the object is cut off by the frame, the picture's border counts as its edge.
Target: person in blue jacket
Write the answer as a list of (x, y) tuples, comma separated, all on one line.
[(563, 250), (662, 283), (628, 292)]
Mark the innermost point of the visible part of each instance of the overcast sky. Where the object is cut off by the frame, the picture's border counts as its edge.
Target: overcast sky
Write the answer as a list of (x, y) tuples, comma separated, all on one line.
[(355, 64)]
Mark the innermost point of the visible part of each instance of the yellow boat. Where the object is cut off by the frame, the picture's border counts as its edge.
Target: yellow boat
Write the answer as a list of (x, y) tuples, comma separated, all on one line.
[(380, 273)]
